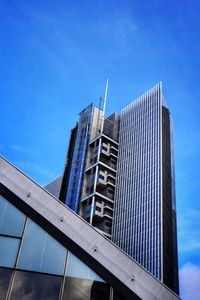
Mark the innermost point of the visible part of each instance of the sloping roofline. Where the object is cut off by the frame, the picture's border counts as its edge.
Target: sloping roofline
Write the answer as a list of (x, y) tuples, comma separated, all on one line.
[(99, 253)]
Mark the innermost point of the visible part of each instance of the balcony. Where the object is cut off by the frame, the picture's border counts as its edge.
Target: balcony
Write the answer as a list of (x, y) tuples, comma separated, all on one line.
[(111, 176), (107, 194), (108, 215), (108, 163), (101, 182), (105, 137), (113, 149), (109, 207), (110, 183)]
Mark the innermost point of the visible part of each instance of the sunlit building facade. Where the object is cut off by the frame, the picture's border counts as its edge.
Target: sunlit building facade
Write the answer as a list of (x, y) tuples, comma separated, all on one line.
[(119, 176), (144, 222)]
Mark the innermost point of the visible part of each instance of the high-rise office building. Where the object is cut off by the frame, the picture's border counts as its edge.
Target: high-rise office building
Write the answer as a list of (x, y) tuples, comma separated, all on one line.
[(119, 173), (144, 223)]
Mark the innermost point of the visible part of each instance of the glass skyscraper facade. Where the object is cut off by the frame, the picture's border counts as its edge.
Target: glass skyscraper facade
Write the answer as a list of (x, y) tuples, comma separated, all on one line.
[(144, 222), (119, 176)]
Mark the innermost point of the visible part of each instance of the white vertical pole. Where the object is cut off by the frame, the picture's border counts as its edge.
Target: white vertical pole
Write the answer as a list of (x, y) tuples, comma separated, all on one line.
[(104, 105)]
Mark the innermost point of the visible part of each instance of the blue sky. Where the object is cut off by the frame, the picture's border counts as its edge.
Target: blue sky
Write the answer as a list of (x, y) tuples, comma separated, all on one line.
[(55, 58)]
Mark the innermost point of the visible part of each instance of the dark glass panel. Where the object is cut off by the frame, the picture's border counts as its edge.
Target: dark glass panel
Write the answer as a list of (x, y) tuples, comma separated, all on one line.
[(170, 260), (5, 275), (34, 286), (83, 289), (118, 296)]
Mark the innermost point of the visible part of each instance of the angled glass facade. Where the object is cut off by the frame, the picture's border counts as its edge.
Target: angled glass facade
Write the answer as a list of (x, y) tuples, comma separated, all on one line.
[(38, 258), (11, 220), (33, 265)]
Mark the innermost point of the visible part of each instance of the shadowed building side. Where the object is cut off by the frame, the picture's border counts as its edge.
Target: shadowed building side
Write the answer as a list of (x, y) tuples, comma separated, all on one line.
[(170, 257)]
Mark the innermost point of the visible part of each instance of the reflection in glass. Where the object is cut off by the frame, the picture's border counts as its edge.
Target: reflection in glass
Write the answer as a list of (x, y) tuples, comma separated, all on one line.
[(41, 252), (34, 286), (5, 275), (8, 251), (82, 282), (11, 218), (82, 289), (76, 268)]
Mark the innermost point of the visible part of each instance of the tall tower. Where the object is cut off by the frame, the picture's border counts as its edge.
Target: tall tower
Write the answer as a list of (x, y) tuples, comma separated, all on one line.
[(119, 174), (88, 182), (144, 221)]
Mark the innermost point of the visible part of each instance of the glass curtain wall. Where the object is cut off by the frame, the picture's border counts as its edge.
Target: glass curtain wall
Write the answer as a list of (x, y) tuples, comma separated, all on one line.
[(33, 265)]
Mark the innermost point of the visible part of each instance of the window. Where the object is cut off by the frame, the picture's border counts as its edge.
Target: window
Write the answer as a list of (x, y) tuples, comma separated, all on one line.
[(5, 275), (83, 283), (111, 191), (84, 289), (38, 249), (34, 286), (76, 268), (11, 219), (8, 251), (113, 161)]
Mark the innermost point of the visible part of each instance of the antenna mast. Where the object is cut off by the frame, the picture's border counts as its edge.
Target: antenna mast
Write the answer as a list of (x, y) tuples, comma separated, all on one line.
[(104, 105)]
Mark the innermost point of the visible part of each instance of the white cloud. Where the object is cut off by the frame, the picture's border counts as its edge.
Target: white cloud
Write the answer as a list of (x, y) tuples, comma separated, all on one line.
[(190, 282)]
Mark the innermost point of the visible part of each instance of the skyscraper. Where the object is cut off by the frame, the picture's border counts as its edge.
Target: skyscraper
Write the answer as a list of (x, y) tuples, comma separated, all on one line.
[(120, 172), (88, 183), (144, 223)]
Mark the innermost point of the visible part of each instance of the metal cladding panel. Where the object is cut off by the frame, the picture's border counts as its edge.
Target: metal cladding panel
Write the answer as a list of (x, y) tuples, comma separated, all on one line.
[(78, 159), (53, 187), (138, 198)]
